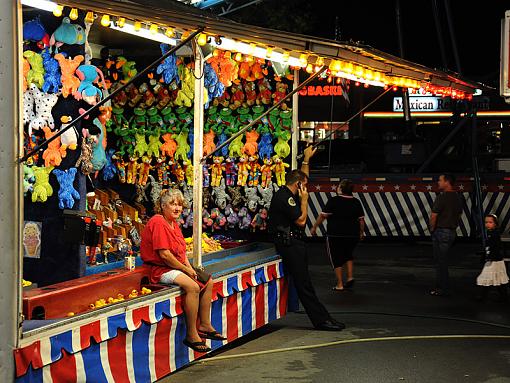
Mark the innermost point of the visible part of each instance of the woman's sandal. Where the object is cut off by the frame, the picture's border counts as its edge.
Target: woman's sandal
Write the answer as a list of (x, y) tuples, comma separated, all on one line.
[(196, 346), (349, 284), (214, 335), (337, 289)]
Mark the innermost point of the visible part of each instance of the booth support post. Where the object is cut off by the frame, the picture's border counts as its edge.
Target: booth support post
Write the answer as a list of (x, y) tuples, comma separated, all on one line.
[(11, 196), (198, 129), (295, 120)]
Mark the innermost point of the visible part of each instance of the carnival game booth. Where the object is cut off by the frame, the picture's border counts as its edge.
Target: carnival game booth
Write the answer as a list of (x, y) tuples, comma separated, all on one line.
[(121, 101)]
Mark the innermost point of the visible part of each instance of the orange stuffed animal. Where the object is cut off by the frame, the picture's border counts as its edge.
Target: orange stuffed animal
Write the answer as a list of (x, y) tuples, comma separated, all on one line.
[(209, 144), (251, 147), (53, 154), (70, 83), (169, 146)]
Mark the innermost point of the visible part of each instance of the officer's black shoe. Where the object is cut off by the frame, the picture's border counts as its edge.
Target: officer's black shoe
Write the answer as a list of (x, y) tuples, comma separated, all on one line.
[(330, 325)]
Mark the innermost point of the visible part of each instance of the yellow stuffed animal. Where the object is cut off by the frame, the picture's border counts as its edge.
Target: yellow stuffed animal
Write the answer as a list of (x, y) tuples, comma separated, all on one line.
[(42, 187)]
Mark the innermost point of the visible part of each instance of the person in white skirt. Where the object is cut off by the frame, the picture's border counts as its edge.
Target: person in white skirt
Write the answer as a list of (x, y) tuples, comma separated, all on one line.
[(494, 270)]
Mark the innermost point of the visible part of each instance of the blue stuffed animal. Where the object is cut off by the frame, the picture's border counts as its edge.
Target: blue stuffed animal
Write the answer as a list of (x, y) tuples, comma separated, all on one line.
[(169, 66), (266, 146), (109, 169), (98, 152), (89, 74), (67, 193), (211, 82), (68, 33), (33, 30), (52, 77)]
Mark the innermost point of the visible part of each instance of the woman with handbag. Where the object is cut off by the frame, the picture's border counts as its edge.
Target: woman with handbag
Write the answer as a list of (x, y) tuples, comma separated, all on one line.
[(164, 249)]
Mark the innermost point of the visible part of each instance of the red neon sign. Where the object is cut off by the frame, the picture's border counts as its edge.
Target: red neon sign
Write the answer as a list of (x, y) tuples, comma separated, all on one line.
[(326, 90)]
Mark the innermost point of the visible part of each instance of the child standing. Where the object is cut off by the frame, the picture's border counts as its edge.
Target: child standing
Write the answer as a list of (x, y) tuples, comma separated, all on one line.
[(494, 271)]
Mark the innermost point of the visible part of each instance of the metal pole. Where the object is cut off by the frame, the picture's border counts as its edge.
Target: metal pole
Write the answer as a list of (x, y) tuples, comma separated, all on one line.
[(198, 136), (405, 92), (330, 143), (452, 35), (109, 97), (11, 205), (443, 144), (439, 33), (295, 120), (255, 121), (478, 208)]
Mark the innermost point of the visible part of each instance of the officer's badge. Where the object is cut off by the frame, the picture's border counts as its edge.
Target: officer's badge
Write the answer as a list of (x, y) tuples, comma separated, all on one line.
[(291, 201)]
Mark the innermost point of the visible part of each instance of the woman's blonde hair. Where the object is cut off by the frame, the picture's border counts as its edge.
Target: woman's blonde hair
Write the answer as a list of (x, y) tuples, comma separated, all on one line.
[(168, 196)]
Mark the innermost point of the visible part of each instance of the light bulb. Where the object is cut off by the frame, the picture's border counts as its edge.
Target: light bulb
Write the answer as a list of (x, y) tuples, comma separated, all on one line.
[(303, 59), (89, 17), (202, 39), (105, 20), (309, 68), (153, 29), (335, 66), (285, 56), (184, 35), (349, 67), (73, 15), (137, 26), (57, 12), (320, 61), (121, 21), (252, 49), (238, 57), (170, 32), (269, 52)]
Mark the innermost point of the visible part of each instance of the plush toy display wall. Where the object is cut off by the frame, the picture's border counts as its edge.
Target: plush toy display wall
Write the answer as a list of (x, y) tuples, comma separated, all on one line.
[(143, 142)]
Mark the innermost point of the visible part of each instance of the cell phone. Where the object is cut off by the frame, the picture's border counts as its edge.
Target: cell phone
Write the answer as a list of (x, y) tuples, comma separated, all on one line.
[(299, 185)]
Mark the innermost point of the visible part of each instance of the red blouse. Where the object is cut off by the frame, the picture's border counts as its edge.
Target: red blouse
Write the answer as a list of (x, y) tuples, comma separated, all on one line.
[(159, 235)]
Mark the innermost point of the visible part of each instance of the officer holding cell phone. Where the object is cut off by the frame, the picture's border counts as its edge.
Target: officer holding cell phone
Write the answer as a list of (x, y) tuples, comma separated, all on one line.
[(287, 219)]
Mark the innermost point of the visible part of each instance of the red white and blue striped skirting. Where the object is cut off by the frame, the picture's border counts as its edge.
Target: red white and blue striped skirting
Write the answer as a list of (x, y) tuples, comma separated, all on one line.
[(143, 344)]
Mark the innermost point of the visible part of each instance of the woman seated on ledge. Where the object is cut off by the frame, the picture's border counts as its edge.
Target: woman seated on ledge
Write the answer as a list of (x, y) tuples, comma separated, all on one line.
[(164, 249)]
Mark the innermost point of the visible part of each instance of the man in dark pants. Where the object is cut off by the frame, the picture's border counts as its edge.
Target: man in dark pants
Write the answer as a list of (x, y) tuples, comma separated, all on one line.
[(287, 218), (444, 220)]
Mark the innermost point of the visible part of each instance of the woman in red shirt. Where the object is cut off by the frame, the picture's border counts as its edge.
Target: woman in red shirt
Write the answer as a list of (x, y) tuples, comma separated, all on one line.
[(164, 249)]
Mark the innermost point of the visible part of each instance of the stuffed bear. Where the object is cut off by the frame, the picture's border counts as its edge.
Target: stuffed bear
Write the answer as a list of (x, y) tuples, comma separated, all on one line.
[(267, 172), (209, 144), (243, 170), (252, 197), (232, 218), (221, 197), (279, 169), (230, 171), (67, 193), (42, 188), (244, 218)]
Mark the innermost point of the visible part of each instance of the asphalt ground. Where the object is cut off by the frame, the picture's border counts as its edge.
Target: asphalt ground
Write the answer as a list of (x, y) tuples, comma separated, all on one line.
[(396, 331)]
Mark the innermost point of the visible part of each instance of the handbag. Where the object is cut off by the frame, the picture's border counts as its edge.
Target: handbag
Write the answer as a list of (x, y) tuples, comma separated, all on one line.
[(202, 276)]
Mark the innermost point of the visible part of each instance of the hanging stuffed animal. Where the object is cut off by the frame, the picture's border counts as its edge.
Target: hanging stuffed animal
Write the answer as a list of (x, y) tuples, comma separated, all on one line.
[(168, 67), (282, 147), (245, 69), (148, 97), (144, 170), (70, 83), (178, 172), (131, 171), (252, 197), (244, 218), (237, 198), (42, 188), (28, 107), (36, 73), (120, 164), (279, 94), (68, 33), (154, 121), (154, 143), (186, 93), (98, 149), (258, 71), (230, 171), (211, 82), (205, 176), (187, 193), (217, 169), (221, 196), (89, 74), (251, 94), (182, 146), (52, 82), (266, 146), (267, 194), (84, 162), (207, 221), (128, 70), (162, 171), (169, 145), (68, 139), (235, 149), (238, 96), (44, 103), (243, 170), (224, 66), (140, 196), (33, 30), (267, 172), (188, 171), (219, 219), (253, 177), (28, 179), (251, 147), (260, 220), (141, 145), (53, 154), (232, 218), (109, 169), (209, 144), (264, 96), (67, 193), (156, 189), (279, 169)]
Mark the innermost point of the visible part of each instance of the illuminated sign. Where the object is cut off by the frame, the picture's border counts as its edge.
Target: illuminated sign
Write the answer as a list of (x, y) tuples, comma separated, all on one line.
[(434, 104), (318, 90)]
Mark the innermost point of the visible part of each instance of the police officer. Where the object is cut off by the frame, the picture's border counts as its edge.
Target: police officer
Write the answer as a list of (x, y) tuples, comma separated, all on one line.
[(287, 218)]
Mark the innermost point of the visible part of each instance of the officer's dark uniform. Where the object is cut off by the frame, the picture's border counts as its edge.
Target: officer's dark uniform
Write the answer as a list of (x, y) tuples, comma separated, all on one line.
[(284, 211)]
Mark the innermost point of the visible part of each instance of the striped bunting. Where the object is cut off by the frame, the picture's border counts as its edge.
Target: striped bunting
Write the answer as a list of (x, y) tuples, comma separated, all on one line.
[(145, 343), (397, 214)]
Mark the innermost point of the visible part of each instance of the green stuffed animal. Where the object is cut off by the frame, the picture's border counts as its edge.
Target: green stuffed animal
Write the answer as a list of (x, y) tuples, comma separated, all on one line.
[(129, 71), (36, 73), (155, 121), (184, 119), (186, 93), (282, 148), (141, 146), (42, 188), (138, 122), (169, 120), (182, 146), (120, 122), (154, 143), (274, 119)]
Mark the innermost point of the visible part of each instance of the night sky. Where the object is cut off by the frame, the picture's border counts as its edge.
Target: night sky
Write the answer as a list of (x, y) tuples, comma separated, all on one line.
[(476, 28)]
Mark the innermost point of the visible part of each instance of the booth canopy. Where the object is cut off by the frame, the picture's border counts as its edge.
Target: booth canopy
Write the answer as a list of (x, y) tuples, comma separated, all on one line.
[(353, 60)]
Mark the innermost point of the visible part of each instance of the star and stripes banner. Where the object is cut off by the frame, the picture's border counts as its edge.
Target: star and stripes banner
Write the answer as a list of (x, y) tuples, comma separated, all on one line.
[(403, 209), (144, 344)]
